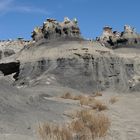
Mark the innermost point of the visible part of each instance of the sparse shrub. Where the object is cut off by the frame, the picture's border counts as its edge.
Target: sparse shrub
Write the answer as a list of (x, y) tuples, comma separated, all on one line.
[(86, 100), (113, 100), (98, 105), (67, 96), (87, 125), (97, 123), (78, 97), (77, 125), (49, 131), (97, 94), (84, 115), (44, 130), (92, 102), (80, 131), (85, 134)]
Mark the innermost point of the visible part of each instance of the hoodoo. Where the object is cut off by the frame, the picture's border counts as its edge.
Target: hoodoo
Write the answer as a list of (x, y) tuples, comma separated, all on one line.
[(114, 39), (53, 29)]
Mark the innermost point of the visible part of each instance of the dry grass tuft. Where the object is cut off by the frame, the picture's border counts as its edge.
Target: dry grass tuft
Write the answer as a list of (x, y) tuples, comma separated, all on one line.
[(97, 94), (80, 131), (113, 100), (84, 100), (87, 125), (84, 115), (99, 125), (87, 101), (77, 125), (67, 96), (79, 97), (98, 105), (49, 131)]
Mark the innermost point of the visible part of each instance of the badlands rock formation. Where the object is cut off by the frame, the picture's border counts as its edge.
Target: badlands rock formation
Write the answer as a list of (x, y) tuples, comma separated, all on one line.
[(53, 29), (75, 62), (8, 49), (60, 51), (58, 60), (11, 47), (114, 39), (82, 65)]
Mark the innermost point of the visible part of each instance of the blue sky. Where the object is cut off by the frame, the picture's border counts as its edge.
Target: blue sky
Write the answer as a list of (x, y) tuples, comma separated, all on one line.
[(19, 17)]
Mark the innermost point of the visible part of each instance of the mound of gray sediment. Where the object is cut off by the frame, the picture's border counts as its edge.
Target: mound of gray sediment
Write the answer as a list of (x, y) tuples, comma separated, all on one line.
[(21, 110), (66, 59)]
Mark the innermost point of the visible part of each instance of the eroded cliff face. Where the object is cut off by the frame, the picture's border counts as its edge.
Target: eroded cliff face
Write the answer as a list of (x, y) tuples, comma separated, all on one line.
[(86, 66), (11, 47), (59, 56)]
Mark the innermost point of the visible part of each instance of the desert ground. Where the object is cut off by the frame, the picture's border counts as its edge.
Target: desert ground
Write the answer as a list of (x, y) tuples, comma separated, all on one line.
[(22, 110)]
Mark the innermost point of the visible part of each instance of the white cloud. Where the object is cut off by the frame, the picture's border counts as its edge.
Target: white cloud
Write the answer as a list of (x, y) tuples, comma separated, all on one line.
[(11, 6), (5, 4), (29, 9)]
